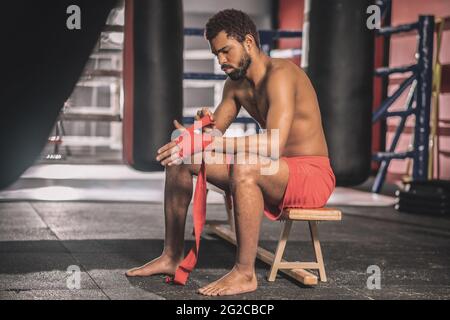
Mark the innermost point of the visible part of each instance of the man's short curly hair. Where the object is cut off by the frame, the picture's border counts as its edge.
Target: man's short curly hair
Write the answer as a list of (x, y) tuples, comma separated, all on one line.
[(235, 23)]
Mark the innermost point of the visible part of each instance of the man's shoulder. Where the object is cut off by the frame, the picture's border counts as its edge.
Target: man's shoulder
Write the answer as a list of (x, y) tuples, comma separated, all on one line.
[(283, 71), (283, 68)]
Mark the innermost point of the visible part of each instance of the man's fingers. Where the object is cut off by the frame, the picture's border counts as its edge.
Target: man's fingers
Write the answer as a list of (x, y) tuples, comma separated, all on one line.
[(167, 146), (208, 112), (175, 162), (173, 157), (209, 128), (204, 111), (169, 155), (178, 125), (198, 115)]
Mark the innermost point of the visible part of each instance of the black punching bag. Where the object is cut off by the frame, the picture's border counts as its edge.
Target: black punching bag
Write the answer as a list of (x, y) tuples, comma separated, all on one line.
[(43, 53), (340, 65), (153, 78)]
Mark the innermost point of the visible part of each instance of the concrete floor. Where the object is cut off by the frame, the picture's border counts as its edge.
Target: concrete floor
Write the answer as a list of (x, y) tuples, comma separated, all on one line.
[(40, 240)]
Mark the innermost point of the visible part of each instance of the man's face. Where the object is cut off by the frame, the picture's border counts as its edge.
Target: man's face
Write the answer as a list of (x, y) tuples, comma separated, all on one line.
[(232, 57)]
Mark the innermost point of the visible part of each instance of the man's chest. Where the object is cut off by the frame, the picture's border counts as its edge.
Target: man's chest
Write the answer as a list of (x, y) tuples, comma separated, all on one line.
[(256, 104)]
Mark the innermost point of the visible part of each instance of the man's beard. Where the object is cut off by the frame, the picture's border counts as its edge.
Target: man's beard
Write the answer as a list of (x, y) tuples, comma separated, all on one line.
[(239, 72)]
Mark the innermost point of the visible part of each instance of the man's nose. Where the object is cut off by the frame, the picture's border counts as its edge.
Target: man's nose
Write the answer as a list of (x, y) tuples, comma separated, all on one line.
[(222, 59)]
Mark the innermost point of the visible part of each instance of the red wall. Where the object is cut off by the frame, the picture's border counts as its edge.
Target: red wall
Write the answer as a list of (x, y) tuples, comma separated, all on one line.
[(290, 17)]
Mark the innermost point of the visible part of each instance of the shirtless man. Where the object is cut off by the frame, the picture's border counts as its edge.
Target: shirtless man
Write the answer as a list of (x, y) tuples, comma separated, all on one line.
[(278, 95)]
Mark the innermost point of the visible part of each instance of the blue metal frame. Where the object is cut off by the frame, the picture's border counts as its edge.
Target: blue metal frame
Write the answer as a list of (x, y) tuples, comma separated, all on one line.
[(391, 99), (203, 76), (273, 34), (190, 120), (420, 83), (266, 38), (242, 120), (398, 29), (423, 101)]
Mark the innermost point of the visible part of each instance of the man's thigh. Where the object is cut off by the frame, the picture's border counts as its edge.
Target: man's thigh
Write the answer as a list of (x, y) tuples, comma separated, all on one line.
[(271, 175), (217, 172)]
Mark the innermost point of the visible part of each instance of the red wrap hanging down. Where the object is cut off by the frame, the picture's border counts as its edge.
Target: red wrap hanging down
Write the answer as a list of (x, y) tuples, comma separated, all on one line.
[(191, 143)]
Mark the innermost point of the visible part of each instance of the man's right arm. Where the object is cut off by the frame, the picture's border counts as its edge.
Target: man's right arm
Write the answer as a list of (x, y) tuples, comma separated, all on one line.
[(223, 116), (228, 109)]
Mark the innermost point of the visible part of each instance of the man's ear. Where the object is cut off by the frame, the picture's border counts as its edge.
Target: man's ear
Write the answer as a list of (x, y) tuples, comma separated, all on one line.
[(249, 42)]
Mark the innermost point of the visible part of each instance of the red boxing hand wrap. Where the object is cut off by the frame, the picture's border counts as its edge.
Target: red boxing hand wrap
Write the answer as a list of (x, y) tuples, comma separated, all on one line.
[(191, 142), (199, 208)]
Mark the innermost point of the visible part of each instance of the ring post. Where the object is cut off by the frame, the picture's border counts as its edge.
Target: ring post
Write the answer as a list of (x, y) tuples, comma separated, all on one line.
[(424, 87)]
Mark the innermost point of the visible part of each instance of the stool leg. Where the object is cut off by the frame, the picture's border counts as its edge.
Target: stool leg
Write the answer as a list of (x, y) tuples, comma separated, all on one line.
[(317, 250), (280, 249)]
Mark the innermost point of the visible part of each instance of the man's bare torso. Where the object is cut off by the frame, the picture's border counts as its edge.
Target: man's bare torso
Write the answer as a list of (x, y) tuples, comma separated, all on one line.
[(306, 136)]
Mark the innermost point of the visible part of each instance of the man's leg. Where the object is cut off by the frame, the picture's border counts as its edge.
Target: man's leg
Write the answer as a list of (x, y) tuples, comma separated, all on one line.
[(249, 189), (177, 196)]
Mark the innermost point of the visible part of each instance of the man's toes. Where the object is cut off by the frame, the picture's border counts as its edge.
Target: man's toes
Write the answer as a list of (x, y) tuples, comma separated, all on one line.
[(201, 290), (212, 291), (209, 291), (131, 272), (208, 286), (223, 291), (217, 291)]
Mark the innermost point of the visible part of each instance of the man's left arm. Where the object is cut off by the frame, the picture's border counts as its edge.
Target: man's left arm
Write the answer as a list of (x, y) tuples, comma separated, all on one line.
[(281, 100)]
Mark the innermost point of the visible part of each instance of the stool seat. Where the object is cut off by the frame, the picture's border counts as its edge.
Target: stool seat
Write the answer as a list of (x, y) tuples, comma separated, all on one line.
[(319, 214)]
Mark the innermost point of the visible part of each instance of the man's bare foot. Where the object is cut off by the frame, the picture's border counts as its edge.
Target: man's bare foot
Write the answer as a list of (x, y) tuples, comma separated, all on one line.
[(160, 265), (234, 282)]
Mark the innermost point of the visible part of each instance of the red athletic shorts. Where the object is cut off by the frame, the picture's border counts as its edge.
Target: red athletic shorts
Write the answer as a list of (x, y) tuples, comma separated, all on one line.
[(310, 184)]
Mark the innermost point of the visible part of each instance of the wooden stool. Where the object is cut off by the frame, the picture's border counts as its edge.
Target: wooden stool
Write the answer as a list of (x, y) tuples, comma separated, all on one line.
[(297, 269)]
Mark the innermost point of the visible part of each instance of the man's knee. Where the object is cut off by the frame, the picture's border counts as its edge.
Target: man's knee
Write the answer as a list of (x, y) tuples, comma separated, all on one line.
[(183, 168), (243, 174)]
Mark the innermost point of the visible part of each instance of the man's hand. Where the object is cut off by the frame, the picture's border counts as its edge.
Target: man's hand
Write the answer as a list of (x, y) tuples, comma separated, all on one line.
[(204, 111), (169, 154), (187, 143)]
